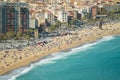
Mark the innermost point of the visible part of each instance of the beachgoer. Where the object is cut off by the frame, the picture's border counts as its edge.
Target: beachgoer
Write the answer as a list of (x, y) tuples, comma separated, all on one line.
[(100, 25)]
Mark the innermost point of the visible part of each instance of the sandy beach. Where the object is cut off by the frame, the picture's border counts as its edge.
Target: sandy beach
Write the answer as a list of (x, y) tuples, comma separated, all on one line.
[(13, 58)]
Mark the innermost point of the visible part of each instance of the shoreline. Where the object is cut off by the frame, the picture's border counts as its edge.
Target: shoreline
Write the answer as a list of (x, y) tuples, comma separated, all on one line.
[(46, 57), (75, 43)]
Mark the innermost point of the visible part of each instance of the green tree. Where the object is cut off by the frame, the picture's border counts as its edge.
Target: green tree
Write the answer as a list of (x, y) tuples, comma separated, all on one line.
[(52, 28), (10, 34), (16, 38), (71, 22), (3, 36), (27, 37), (58, 23), (102, 11), (91, 20), (19, 34)]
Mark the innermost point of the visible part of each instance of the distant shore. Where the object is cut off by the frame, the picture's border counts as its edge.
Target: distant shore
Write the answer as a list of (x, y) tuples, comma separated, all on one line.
[(12, 59)]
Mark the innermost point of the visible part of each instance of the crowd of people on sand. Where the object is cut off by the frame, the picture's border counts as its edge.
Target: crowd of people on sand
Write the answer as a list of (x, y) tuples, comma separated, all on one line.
[(13, 56)]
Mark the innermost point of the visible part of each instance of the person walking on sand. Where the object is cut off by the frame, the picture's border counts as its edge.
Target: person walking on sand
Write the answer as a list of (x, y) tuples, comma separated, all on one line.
[(100, 25)]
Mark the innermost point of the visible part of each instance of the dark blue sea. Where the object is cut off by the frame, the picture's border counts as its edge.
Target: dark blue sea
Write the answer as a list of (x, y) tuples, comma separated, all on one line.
[(99, 60)]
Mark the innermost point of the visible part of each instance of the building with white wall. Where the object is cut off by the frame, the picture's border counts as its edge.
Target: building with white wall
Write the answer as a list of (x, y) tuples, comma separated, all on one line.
[(63, 16)]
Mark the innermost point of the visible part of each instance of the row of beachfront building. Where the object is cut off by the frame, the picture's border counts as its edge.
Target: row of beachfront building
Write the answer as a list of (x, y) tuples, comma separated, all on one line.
[(19, 16)]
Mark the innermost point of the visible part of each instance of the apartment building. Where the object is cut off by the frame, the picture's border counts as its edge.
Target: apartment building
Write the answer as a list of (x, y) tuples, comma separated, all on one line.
[(15, 16)]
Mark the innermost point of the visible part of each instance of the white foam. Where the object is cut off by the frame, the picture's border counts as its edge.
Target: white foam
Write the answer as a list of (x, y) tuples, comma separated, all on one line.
[(89, 45), (106, 38), (49, 60), (52, 59)]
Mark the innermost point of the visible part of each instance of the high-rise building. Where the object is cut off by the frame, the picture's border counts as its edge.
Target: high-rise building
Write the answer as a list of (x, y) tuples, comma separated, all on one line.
[(1, 17), (15, 16)]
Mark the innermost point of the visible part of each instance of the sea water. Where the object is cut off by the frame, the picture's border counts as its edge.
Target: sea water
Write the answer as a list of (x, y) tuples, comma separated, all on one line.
[(99, 60)]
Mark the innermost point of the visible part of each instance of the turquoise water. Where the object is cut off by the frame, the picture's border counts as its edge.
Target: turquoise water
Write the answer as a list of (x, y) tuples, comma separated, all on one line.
[(94, 61)]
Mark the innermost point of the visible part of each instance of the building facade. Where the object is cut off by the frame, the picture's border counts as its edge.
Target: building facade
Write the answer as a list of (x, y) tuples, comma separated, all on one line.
[(50, 18), (1, 17), (63, 16), (33, 23), (15, 16), (94, 11)]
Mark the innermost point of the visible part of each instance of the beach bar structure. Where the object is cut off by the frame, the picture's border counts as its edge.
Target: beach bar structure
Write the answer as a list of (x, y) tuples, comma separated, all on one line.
[(14, 17)]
